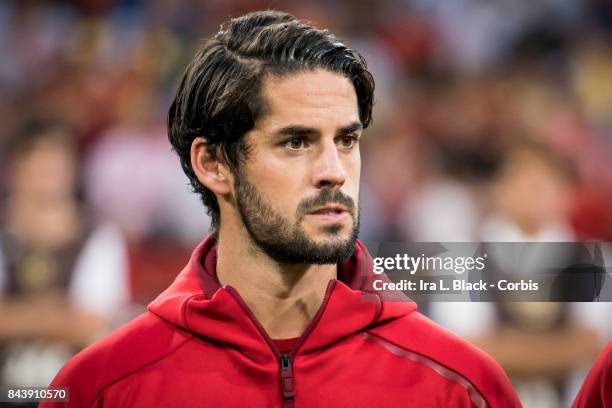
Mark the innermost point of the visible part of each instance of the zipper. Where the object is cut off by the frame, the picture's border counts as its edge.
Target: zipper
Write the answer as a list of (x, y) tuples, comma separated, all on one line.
[(286, 371), (285, 360)]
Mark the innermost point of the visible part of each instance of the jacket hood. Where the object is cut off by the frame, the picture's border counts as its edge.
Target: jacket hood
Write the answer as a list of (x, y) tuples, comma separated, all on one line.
[(197, 303)]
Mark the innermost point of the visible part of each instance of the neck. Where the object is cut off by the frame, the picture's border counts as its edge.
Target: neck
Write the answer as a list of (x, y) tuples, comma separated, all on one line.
[(283, 297)]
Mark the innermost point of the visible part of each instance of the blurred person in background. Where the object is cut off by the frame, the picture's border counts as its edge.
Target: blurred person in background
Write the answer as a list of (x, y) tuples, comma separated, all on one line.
[(542, 344), (63, 278), (132, 180)]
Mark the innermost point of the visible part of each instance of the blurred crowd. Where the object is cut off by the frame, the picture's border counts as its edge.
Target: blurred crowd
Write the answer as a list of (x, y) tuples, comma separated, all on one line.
[(492, 122)]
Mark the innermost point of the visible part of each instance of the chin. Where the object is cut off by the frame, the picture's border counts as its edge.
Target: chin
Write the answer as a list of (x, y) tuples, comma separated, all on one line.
[(318, 231), (331, 234)]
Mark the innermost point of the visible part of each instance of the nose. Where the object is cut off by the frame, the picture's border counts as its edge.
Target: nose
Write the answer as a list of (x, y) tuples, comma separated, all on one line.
[(328, 169)]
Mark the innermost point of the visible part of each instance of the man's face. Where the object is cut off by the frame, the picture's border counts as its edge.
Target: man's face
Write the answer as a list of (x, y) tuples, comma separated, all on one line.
[(297, 193)]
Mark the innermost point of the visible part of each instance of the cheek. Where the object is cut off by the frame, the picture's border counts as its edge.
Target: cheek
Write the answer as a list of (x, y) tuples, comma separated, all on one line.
[(280, 185), (353, 175)]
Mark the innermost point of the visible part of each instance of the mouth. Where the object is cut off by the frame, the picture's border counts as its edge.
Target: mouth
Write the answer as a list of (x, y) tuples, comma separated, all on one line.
[(333, 213), (330, 209)]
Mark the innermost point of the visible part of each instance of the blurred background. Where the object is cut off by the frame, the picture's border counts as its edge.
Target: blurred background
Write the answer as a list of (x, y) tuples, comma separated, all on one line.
[(493, 122)]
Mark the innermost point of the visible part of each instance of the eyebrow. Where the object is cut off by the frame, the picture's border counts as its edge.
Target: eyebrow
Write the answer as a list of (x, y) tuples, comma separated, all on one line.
[(303, 131), (352, 128)]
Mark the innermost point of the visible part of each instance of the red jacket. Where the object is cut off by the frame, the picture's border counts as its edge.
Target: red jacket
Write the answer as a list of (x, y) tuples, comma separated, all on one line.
[(200, 346), (596, 391)]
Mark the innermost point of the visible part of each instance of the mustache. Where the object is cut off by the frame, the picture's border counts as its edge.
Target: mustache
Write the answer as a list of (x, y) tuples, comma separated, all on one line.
[(326, 197)]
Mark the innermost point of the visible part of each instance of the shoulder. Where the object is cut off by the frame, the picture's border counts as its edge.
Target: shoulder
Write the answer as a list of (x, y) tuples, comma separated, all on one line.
[(142, 341), (426, 342)]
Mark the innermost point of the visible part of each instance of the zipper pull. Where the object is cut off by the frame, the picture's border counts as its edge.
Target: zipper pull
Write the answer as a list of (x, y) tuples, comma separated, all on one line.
[(287, 380), (285, 362)]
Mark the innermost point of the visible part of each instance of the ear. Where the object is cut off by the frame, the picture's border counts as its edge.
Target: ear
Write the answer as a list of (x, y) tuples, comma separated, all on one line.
[(210, 171)]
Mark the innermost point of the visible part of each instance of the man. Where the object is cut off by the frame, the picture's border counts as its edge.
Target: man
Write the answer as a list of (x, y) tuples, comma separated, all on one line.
[(596, 391), (58, 267), (274, 308)]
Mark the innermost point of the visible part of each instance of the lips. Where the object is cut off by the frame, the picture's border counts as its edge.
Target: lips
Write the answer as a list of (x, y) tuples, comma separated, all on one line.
[(331, 209)]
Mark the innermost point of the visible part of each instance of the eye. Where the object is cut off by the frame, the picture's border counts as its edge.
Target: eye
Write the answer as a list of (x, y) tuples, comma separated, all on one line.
[(349, 141), (295, 143)]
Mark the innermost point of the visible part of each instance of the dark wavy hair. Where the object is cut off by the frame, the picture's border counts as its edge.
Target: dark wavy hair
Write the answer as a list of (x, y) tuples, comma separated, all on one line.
[(219, 96)]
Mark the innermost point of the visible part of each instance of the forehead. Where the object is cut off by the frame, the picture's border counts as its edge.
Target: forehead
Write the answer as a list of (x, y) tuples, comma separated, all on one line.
[(316, 98)]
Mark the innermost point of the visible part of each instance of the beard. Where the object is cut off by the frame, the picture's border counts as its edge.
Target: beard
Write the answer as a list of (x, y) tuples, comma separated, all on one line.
[(288, 243)]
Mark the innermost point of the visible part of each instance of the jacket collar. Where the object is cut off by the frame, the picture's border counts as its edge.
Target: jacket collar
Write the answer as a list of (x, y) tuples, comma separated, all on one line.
[(196, 302)]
